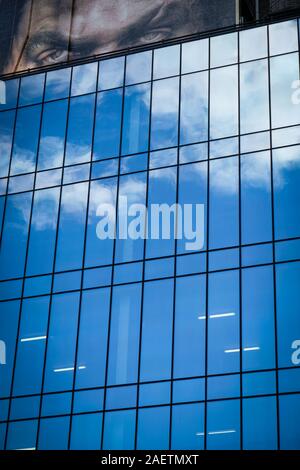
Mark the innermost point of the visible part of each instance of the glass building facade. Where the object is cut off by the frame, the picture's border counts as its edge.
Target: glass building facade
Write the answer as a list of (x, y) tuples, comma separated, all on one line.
[(141, 344)]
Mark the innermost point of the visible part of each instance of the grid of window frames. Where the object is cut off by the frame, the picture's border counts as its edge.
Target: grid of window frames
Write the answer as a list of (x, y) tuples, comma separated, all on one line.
[(143, 344)]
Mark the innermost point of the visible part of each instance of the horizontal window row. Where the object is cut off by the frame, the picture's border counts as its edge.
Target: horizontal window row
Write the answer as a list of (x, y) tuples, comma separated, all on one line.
[(104, 125), (150, 428), (138, 335), (61, 229), (159, 268), (251, 44)]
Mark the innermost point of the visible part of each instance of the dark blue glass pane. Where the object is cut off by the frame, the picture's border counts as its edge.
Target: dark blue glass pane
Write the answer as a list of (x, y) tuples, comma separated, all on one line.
[(223, 425), (189, 356), (6, 134), (108, 125), (22, 435), (31, 347), (54, 434), (124, 335), (80, 130), (153, 428), (26, 140), (90, 439), (288, 319), (119, 430), (14, 238), (260, 424), (32, 89), (188, 427), (62, 343), (52, 140), (92, 346), (9, 314), (157, 331), (258, 319), (289, 422)]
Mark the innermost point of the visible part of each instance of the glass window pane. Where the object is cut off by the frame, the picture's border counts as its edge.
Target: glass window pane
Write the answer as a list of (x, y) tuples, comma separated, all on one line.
[(188, 427), (43, 232), (260, 424), (283, 37), (193, 191), (288, 320), (223, 50), (258, 319), (223, 425), (52, 141), (189, 356), (14, 237), (6, 134), (90, 439), (99, 251), (132, 194), (124, 335), (284, 73), (9, 314), (166, 62), (224, 106), (119, 430), (57, 84), (157, 330), (136, 119), (256, 198), (54, 434), (80, 130), (194, 108), (138, 67), (22, 435), (223, 323), (286, 192), (92, 346), (162, 190), (71, 227), (164, 129), (108, 125), (61, 343), (289, 422), (32, 89), (153, 428), (10, 89), (111, 73), (31, 347), (254, 90), (26, 140), (224, 203), (253, 44), (194, 56), (84, 79)]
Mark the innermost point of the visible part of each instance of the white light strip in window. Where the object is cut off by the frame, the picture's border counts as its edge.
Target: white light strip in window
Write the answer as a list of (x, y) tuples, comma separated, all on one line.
[(27, 448), (34, 338), (219, 315), (229, 351), (216, 433), (66, 369), (69, 369)]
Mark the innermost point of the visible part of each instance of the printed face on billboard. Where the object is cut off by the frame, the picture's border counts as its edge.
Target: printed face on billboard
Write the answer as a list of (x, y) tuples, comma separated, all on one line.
[(52, 31)]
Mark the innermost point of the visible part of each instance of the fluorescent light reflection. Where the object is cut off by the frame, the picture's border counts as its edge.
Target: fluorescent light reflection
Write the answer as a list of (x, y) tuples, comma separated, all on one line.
[(218, 315), (230, 351), (34, 338)]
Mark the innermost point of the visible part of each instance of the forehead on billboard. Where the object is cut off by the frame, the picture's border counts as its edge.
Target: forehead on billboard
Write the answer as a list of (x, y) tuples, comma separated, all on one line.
[(53, 31)]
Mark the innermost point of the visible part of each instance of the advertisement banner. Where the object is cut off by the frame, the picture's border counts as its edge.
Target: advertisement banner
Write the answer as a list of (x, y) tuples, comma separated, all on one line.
[(36, 33)]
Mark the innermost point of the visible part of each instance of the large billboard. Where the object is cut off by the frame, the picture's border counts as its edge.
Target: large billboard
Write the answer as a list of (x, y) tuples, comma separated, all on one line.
[(35, 33)]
